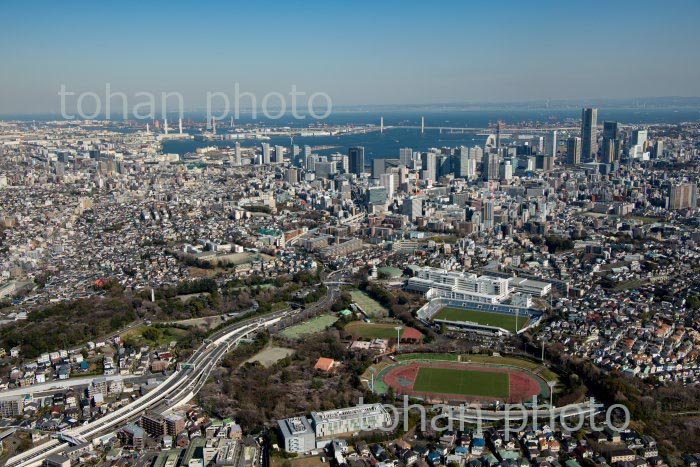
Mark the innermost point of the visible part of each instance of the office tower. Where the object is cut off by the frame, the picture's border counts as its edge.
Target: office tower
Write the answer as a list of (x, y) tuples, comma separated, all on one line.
[(573, 151), (498, 136), (639, 137), (378, 167), (357, 160), (543, 162), (488, 214), (489, 166), (658, 149), (429, 166), (610, 142), (412, 207), (506, 170), (311, 162), (265, 153), (406, 157), (238, 153), (292, 176), (462, 167), (682, 196), (444, 165), (589, 146), (377, 195), (344, 164), (476, 153), (388, 181), (550, 144), (324, 169), (279, 154)]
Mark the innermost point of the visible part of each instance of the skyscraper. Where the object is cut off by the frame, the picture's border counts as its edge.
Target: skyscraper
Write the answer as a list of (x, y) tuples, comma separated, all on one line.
[(489, 166), (589, 146), (378, 167), (356, 155), (550, 144), (462, 166), (406, 157), (238, 153), (610, 142), (639, 137), (682, 196), (279, 154), (429, 166), (573, 151), (265, 153)]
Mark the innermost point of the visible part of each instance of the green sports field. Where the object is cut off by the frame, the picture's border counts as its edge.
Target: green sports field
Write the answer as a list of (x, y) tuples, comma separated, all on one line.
[(371, 330), (506, 322), (372, 307), (462, 382), (313, 326)]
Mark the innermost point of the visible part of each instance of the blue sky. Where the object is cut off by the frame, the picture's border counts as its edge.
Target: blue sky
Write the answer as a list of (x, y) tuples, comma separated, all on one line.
[(394, 52)]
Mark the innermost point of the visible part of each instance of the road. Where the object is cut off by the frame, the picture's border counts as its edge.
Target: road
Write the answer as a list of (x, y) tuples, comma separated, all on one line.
[(179, 388)]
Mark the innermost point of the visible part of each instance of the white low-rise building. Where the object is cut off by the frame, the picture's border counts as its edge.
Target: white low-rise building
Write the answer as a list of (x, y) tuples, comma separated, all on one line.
[(459, 285)]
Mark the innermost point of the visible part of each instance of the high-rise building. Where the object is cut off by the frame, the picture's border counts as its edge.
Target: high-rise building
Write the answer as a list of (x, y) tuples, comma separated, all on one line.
[(639, 137), (573, 151), (489, 166), (658, 149), (682, 196), (388, 181), (356, 155), (279, 154), (377, 195), (429, 166), (488, 214), (610, 142), (412, 207), (462, 166), (378, 167), (550, 144), (589, 146), (266, 153), (406, 157), (238, 153)]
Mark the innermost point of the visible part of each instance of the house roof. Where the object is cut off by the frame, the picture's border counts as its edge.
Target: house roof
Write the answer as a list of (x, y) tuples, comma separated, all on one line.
[(324, 364)]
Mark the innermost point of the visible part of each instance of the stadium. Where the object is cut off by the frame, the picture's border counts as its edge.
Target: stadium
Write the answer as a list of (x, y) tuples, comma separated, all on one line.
[(448, 378), (468, 316), (469, 303)]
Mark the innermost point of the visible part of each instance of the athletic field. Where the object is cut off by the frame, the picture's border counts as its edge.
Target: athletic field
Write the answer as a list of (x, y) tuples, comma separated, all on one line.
[(372, 307), (489, 384), (371, 330), (318, 324), (456, 378), (500, 320)]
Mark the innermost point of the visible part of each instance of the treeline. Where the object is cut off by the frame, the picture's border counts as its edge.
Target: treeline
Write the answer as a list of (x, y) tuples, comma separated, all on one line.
[(400, 305), (66, 325), (204, 285)]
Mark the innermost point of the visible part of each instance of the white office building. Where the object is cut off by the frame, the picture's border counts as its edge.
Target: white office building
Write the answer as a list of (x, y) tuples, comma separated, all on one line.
[(350, 420), (459, 285), (298, 435)]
